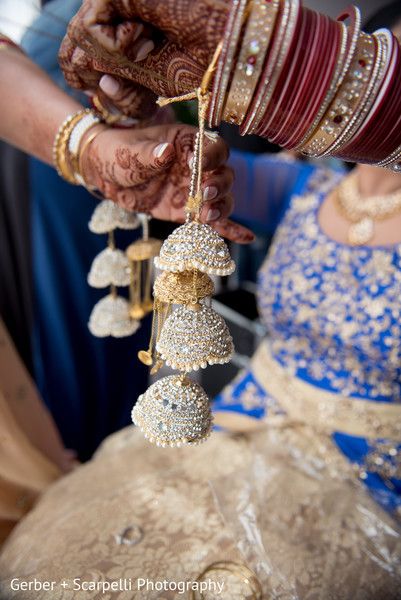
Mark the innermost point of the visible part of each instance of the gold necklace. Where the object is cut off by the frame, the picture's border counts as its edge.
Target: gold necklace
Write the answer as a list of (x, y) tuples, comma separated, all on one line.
[(363, 212)]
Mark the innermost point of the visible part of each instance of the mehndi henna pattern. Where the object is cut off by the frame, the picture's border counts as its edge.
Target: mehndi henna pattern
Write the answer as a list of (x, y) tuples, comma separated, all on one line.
[(191, 30), (82, 72)]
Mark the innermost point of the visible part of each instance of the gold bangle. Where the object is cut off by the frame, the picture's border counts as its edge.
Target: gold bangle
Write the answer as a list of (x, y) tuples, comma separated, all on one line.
[(225, 61), (347, 102), (84, 146), (256, 41), (61, 157), (106, 115)]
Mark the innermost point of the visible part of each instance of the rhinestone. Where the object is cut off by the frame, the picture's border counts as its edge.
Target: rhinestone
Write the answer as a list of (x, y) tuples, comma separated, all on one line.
[(107, 216), (110, 317), (110, 267), (190, 422)]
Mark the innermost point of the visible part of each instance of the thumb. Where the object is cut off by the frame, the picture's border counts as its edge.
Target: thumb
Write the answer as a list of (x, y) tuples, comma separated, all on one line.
[(142, 162)]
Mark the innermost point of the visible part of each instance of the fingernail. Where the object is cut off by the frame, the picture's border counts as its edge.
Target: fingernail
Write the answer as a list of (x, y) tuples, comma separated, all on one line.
[(191, 162), (138, 31), (213, 214), (160, 150), (109, 85), (210, 192), (144, 50)]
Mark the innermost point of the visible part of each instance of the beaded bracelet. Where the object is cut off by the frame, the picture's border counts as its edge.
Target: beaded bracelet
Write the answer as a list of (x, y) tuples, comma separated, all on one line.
[(250, 61)]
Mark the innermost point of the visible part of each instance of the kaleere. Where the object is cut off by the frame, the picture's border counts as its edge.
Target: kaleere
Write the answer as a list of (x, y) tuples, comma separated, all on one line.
[(175, 410)]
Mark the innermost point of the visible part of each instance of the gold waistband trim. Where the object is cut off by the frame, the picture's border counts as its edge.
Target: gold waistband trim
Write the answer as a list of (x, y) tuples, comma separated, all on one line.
[(322, 409)]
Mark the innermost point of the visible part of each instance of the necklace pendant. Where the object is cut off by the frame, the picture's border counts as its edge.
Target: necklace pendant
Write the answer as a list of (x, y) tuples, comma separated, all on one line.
[(362, 232)]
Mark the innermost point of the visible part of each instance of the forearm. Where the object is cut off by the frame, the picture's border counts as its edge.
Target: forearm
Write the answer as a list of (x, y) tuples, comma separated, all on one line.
[(31, 105)]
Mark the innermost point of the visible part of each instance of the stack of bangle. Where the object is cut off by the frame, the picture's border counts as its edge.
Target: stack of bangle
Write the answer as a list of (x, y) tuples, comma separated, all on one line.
[(310, 83), (68, 146)]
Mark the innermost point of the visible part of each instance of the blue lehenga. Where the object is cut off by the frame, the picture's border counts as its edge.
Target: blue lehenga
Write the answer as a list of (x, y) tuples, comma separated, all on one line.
[(333, 318)]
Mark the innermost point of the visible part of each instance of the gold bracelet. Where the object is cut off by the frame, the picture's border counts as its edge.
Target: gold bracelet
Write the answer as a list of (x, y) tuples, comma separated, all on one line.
[(84, 146), (61, 157), (256, 41), (348, 101)]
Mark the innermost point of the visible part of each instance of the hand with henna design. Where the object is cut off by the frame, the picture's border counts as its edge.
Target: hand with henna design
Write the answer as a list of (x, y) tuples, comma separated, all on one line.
[(116, 94), (147, 170), (188, 33)]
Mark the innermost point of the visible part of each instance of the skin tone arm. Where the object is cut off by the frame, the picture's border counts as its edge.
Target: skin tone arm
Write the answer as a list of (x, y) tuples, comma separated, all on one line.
[(31, 122), (144, 169)]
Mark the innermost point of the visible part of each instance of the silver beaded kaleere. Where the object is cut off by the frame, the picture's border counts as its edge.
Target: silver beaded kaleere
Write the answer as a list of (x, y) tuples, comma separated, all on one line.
[(187, 334), (111, 268)]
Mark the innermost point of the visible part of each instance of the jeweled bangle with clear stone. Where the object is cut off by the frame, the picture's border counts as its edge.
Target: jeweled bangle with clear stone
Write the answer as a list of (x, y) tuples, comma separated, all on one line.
[(256, 41), (368, 100), (347, 102), (287, 21), (225, 62)]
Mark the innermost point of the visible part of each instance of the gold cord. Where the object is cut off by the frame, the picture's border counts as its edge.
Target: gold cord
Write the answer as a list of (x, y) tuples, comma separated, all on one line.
[(194, 204)]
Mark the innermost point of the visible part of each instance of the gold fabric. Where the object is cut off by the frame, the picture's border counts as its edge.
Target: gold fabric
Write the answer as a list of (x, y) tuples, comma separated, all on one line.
[(282, 501), (323, 409)]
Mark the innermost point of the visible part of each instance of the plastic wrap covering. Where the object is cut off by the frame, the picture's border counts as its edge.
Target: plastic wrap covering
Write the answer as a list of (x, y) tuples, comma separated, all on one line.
[(280, 502)]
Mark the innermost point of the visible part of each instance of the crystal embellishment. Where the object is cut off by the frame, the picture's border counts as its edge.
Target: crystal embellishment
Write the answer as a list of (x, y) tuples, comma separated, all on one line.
[(110, 267), (110, 317), (107, 216), (192, 339), (189, 423), (195, 246)]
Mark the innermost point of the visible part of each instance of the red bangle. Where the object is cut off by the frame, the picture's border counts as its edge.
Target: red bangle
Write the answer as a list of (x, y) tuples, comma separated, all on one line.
[(301, 110), (327, 70), (273, 119)]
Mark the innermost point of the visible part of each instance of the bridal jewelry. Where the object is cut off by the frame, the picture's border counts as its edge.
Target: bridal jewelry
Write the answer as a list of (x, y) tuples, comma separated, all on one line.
[(175, 410), (141, 255), (363, 212)]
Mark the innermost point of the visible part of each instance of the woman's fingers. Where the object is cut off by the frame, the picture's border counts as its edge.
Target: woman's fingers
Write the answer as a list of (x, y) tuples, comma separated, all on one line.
[(218, 210), (216, 153), (126, 97), (217, 183)]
